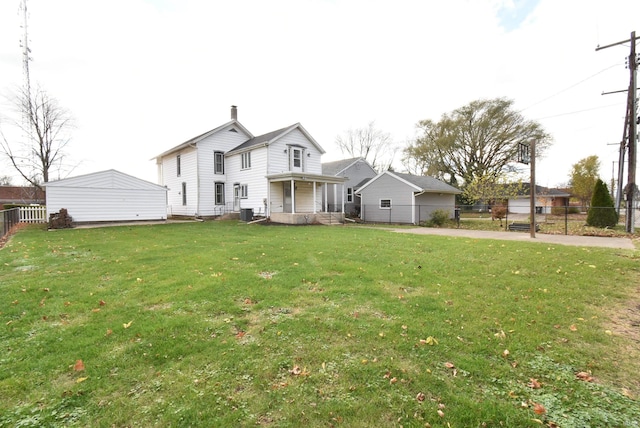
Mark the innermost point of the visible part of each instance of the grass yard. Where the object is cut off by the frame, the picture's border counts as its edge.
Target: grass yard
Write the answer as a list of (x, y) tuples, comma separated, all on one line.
[(226, 324)]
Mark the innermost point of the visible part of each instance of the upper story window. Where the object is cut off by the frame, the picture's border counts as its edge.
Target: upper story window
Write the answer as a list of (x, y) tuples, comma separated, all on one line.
[(246, 160), (349, 194), (178, 165), (218, 163), (296, 159)]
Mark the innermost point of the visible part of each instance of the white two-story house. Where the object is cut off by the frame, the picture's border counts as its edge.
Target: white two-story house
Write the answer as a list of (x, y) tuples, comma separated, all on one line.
[(278, 175)]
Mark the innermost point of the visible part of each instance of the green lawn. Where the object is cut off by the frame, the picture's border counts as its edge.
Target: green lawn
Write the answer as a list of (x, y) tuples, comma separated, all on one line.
[(228, 324)]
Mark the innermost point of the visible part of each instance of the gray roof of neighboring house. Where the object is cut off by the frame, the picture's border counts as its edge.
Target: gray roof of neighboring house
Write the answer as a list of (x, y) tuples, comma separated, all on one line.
[(428, 183), (542, 191), (334, 167)]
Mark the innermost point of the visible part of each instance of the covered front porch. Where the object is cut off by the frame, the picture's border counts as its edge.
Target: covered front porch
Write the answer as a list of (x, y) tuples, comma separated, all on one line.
[(296, 198)]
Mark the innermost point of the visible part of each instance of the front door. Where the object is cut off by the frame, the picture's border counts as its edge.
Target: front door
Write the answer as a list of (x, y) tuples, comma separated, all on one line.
[(236, 197), (286, 205)]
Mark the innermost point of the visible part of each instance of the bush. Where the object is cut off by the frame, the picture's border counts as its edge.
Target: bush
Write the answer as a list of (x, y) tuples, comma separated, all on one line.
[(602, 212), (438, 218)]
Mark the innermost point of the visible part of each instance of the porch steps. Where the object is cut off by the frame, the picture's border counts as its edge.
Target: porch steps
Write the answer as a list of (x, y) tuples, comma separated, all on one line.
[(330, 219)]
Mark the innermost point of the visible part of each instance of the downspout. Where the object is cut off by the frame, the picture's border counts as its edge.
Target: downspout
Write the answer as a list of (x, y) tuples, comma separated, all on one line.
[(267, 206)]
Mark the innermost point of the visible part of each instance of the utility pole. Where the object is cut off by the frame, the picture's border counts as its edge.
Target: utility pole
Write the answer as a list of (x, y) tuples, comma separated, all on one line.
[(632, 127)]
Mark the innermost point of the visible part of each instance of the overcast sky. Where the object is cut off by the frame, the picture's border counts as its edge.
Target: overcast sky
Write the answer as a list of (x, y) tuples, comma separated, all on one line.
[(141, 76)]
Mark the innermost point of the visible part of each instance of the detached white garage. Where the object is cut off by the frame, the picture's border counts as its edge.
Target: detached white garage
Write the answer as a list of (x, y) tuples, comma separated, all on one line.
[(107, 196)]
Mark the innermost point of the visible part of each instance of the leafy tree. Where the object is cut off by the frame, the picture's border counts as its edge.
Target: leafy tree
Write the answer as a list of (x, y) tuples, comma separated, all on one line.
[(478, 140), (376, 146), (45, 127), (602, 212), (583, 178)]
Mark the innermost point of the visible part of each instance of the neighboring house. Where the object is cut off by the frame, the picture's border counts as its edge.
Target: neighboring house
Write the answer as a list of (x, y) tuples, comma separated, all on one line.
[(546, 199), (107, 196), (21, 195), (228, 169), (392, 197), (355, 170)]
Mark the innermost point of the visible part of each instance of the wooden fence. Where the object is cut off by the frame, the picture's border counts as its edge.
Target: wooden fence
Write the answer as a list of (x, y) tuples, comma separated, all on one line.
[(33, 214)]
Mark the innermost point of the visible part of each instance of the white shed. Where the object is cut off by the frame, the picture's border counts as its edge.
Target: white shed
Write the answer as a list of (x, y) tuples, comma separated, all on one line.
[(107, 196)]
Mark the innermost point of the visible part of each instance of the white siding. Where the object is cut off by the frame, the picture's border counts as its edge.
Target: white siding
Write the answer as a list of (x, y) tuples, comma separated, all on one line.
[(254, 178), (222, 141), (279, 157), (188, 174), (107, 196)]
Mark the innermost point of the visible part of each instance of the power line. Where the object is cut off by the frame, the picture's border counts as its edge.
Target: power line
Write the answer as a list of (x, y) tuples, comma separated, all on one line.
[(571, 87), (578, 111)]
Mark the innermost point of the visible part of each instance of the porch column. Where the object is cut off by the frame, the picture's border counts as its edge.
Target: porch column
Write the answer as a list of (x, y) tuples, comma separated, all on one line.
[(293, 196), (335, 195), (342, 193), (267, 209), (314, 198), (325, 190)]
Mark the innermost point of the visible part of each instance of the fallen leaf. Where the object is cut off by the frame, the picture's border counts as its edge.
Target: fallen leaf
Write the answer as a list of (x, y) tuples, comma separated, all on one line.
[(102, 303), (296, 370), (539, 409), (78, 366), (440, 413), (421, 397), (573, 327), (240, 334), (441, 406), (534, 384), (109, 332), (505, 353), (127, 325), (81, 379), (95, 310), (584, 376), (393, 380), (387, 375), (449, 365)]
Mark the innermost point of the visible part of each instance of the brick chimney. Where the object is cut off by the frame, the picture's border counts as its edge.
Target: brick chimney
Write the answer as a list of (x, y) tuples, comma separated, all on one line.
[(234, 113)]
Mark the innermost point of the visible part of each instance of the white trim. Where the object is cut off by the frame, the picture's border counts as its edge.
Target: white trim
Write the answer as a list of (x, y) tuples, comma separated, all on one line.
[(385, 199)]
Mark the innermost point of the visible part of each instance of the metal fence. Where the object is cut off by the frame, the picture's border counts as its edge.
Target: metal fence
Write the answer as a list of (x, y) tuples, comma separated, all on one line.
[(8, 219)]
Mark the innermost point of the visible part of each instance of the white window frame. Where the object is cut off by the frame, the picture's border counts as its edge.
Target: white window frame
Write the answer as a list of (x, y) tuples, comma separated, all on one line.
[(385, 208), (184, 193), (219, 195), (218, 167), (245, 160), (178, 166), (349, 194), (244, 191)]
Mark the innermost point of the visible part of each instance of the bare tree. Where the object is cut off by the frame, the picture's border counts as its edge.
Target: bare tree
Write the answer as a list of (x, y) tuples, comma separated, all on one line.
[(376, 146), (43, 134), (5, 180)]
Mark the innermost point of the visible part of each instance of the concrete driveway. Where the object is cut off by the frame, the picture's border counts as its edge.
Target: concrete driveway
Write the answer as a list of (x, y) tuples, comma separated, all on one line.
[(580, 241)]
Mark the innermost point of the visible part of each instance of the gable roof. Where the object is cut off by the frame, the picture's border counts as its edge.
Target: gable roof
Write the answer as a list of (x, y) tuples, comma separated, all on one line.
[(541, 191), (109, 179), (336, 167), (270, 137), (419, 183), (200, 137)]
